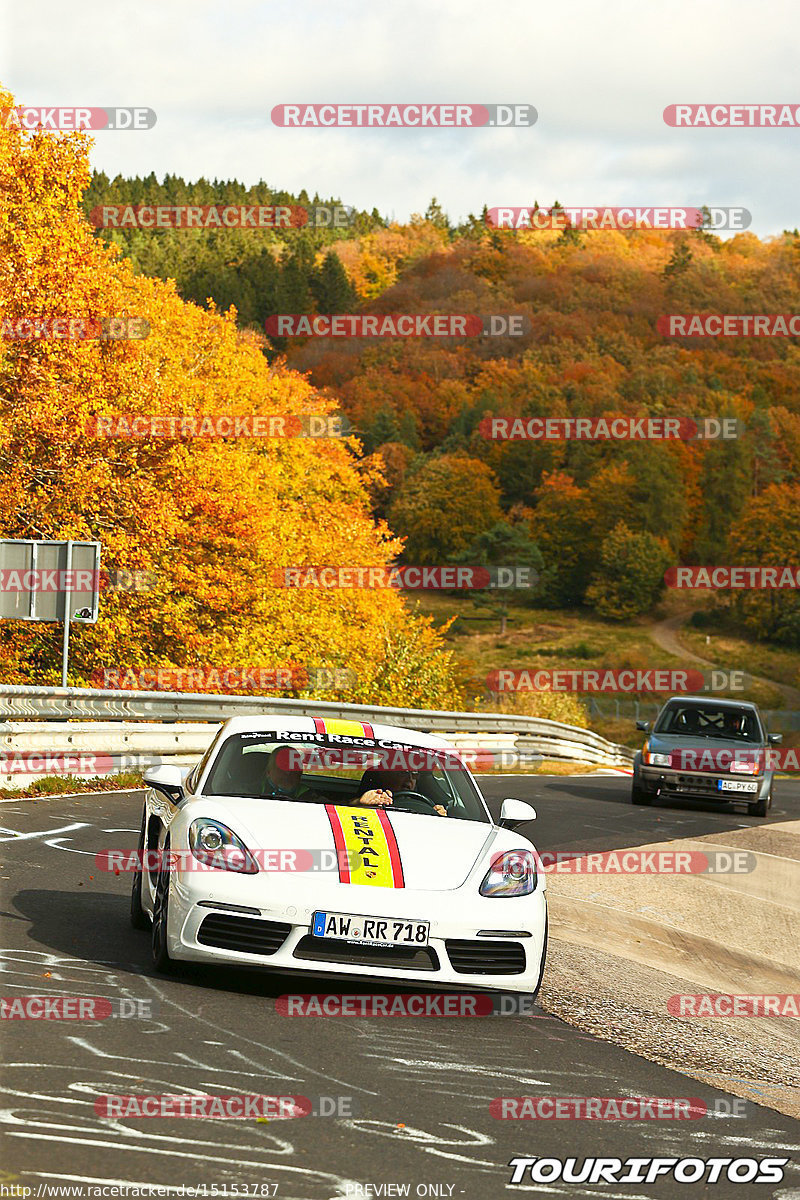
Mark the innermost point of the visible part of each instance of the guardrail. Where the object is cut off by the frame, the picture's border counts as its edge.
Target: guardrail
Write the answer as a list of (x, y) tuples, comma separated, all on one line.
[(128, 728)]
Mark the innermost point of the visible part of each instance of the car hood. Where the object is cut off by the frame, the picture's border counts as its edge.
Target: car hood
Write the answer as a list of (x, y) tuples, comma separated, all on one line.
[(432, 853)]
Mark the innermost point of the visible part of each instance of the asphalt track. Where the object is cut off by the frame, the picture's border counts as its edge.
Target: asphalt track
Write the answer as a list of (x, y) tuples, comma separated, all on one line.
[(418, 1089)]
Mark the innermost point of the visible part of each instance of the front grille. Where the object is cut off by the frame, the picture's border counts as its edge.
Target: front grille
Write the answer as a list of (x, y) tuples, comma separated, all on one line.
[(407, 958), (692, 783), (485, 957), (244, 934)]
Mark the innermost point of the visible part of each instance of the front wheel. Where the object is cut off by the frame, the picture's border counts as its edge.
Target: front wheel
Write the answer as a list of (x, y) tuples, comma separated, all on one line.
[(535, 991), (638, 796), (762, 806), (139, 918), (161, 959)]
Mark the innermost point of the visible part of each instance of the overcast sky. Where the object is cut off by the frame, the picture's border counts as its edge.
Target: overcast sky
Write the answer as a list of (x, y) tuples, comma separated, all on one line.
[(599, 74)]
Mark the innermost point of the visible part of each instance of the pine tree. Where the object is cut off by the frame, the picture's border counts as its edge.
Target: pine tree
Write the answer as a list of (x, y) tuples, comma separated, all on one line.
[(331, 286)]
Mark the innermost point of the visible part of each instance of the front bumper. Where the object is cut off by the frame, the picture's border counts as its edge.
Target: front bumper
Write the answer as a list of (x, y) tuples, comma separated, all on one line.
[(703, 785), (277, 924)]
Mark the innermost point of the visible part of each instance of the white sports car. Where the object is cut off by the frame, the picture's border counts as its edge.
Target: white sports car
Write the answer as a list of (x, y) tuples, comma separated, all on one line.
[(339, 848)]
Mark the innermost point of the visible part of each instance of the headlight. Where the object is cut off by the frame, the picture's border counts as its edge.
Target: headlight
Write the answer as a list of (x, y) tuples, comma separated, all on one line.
[(744, 767), (655, 760), (511, 874), (217, 846)]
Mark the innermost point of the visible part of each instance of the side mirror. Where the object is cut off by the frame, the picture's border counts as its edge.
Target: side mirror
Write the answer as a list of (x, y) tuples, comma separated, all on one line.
[(643, 725), (167, 779), (775, 739), (516, 812)]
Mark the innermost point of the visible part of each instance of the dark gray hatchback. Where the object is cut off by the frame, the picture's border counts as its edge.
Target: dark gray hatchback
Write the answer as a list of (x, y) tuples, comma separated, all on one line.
[(703, 749)]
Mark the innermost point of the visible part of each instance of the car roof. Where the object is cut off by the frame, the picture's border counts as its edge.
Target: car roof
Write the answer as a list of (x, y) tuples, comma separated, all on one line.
[(712, 700), (328, 727)]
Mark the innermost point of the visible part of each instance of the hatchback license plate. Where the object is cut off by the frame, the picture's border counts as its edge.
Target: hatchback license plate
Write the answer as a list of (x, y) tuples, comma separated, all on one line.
[(382, 931), (737, 785)]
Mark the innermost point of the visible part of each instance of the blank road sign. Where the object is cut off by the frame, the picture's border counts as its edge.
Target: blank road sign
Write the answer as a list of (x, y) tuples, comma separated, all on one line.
[(34, 580)]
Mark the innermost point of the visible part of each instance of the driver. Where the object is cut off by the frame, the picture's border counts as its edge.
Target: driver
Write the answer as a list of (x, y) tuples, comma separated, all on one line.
[(377, 787), (734, 724), (287, 781)]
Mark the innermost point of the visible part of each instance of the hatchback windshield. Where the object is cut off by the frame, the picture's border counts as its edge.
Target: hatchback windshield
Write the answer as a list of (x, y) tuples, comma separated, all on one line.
[(709, 721)]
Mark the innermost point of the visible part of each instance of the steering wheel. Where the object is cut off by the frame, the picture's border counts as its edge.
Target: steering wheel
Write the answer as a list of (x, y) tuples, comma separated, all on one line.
[(407, 792)]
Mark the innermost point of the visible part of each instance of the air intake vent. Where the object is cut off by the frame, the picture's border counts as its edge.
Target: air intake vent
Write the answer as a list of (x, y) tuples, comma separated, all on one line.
[(485, 957), (244, 934)]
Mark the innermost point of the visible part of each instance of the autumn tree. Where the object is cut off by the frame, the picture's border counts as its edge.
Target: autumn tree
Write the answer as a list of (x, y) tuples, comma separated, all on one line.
[(562, 526), (767, 533), (443, 506), (630, 574), (213, 519), (509, 546)]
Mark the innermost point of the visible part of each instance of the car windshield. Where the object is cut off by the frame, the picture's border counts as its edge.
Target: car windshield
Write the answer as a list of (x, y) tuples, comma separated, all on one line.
[(321, 771), (709, 721)]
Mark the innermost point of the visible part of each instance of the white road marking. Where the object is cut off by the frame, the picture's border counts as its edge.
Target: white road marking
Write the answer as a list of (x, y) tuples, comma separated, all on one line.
[(15, 836)]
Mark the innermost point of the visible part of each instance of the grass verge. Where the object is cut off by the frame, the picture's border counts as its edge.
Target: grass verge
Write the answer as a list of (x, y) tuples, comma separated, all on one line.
[(57, 785)]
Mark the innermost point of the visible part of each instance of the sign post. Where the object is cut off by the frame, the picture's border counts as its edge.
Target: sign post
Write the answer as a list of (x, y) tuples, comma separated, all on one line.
[(67, 598), (50, 581)]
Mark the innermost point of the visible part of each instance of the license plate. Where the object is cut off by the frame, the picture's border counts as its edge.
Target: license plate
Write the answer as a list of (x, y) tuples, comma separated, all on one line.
[(380, 931), (737, 785)]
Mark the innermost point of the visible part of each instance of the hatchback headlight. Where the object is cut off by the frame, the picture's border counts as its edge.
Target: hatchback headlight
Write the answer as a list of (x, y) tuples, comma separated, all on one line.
[(655, 760), (217, 846), (744, 766), (511, 874)]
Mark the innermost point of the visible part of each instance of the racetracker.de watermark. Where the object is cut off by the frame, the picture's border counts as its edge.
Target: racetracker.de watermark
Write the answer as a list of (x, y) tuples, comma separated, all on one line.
[(598, 1108), (74, 1008), (624, 218), (720, 116), (729, 325), (614, 429), (44, 579), (614, 680), (724, 578), (407, 578), (644, 862), (222, 216), (402, 116), (289, 677), (406, 1004), (177, 427), (44, 763), (122, 580), (54, 118), (729, 1005), (366, 325), (239, 1106), (38, 328), (228, 858), (388, 756)]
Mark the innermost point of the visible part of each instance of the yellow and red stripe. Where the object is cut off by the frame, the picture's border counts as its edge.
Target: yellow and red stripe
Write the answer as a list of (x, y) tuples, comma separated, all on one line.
[(344, 728), (366, 846)]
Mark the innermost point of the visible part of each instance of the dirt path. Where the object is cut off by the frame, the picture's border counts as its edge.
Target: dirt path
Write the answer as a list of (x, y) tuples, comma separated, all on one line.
[(666, 634)]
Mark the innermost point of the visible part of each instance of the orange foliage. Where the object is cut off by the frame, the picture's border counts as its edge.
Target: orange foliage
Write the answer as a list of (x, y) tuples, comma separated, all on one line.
[(212, 519)]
